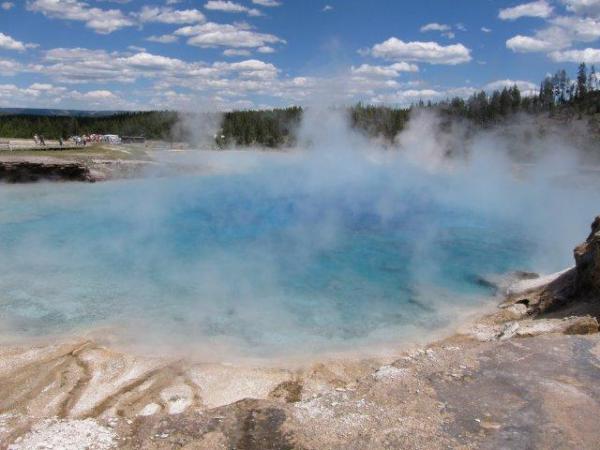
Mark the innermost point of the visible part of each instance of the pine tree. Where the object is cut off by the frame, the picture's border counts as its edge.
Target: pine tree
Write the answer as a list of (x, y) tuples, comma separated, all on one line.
[(515, 95), (592, 80), (581, 81)]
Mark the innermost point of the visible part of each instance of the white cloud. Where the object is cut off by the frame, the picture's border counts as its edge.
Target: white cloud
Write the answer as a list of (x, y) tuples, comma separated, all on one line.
[(486, 30), (79, 65), (429, 52), (163, 39), (501, 84), (48, 95), (7, 5), (527, 44), (577, 28), (265, 49), (227, 35), (384, 71), (533, 9), (231, 7), (169, 15), (254, 68), (149, 61), (588, 55), (445, 30), (409, 96), (434, 26), (8, 67), (8, 43), (267, 3), (583, 6), (99, 95), (236, 52), (327, 8), (463, 92), (41, 87), (561, 33), (102, 21)]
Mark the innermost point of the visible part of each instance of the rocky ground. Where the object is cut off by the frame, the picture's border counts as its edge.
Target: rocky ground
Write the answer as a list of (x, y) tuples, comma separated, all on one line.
[(92, 163), (527, 376)]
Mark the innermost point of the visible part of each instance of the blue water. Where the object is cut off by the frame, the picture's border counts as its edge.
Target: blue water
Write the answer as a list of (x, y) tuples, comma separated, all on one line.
[(258, 261)]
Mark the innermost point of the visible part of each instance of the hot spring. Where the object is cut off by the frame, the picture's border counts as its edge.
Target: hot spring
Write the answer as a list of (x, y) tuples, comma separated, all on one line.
[(278, 254)]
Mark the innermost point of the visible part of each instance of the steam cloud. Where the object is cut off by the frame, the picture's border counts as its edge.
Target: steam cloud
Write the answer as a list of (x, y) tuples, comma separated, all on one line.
[(244, 262)]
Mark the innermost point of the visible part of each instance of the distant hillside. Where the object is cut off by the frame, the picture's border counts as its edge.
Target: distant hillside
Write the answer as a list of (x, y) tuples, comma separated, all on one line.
[(55, 112)]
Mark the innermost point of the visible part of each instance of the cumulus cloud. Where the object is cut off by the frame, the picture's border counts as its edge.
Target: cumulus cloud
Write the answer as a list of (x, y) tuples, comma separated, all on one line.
[(429, 52), (562, 32), (588, 55), (408, 96), (252, 68), (583, 6), (575, 28), (500, 84), (526, 87), (265, 49), (236, 52), (444, 29), (267, 3), (7, 5), (9, 67), (163, 39), (391, 71), (80, 65), (231, 7), (434, 26), (149, 61), (526, 44), (486, 30), (46, 94), (169, 15), (102, 21), (234, 35), (9, 43), (533, 9), (99, 95)]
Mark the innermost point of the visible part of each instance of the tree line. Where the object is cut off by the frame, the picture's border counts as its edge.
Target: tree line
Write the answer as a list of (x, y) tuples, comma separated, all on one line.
[(557, 94), (150, 124)]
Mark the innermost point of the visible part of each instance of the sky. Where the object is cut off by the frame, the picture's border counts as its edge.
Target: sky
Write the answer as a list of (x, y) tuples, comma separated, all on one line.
[(239, 54)]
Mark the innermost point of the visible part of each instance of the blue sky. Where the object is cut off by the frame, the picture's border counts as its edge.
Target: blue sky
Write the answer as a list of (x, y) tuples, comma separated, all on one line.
[(227, 54)]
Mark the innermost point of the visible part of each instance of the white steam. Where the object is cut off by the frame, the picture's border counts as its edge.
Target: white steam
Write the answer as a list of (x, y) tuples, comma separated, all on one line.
[(113, 253)]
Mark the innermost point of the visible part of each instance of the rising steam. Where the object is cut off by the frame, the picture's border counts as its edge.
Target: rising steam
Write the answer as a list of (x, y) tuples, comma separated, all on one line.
[(337, 243)]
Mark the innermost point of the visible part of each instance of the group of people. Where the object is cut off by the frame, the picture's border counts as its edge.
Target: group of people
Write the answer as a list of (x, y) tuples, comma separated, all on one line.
[(96, 139), (82, 140), (39, 140)]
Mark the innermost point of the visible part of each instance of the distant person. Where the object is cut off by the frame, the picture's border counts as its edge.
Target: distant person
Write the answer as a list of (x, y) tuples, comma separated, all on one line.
[(60, 141), (42, 141), (35, 139)]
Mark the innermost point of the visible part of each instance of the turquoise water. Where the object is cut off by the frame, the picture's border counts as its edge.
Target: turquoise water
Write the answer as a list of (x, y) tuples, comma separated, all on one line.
[(264, 261)]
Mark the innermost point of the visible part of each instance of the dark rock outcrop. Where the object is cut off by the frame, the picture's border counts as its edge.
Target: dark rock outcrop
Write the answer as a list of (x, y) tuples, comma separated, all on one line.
[(27, 171), (587, 263), (576, 290)]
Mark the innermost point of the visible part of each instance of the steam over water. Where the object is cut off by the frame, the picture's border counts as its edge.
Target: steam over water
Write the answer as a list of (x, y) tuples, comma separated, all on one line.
[(274, 254)]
